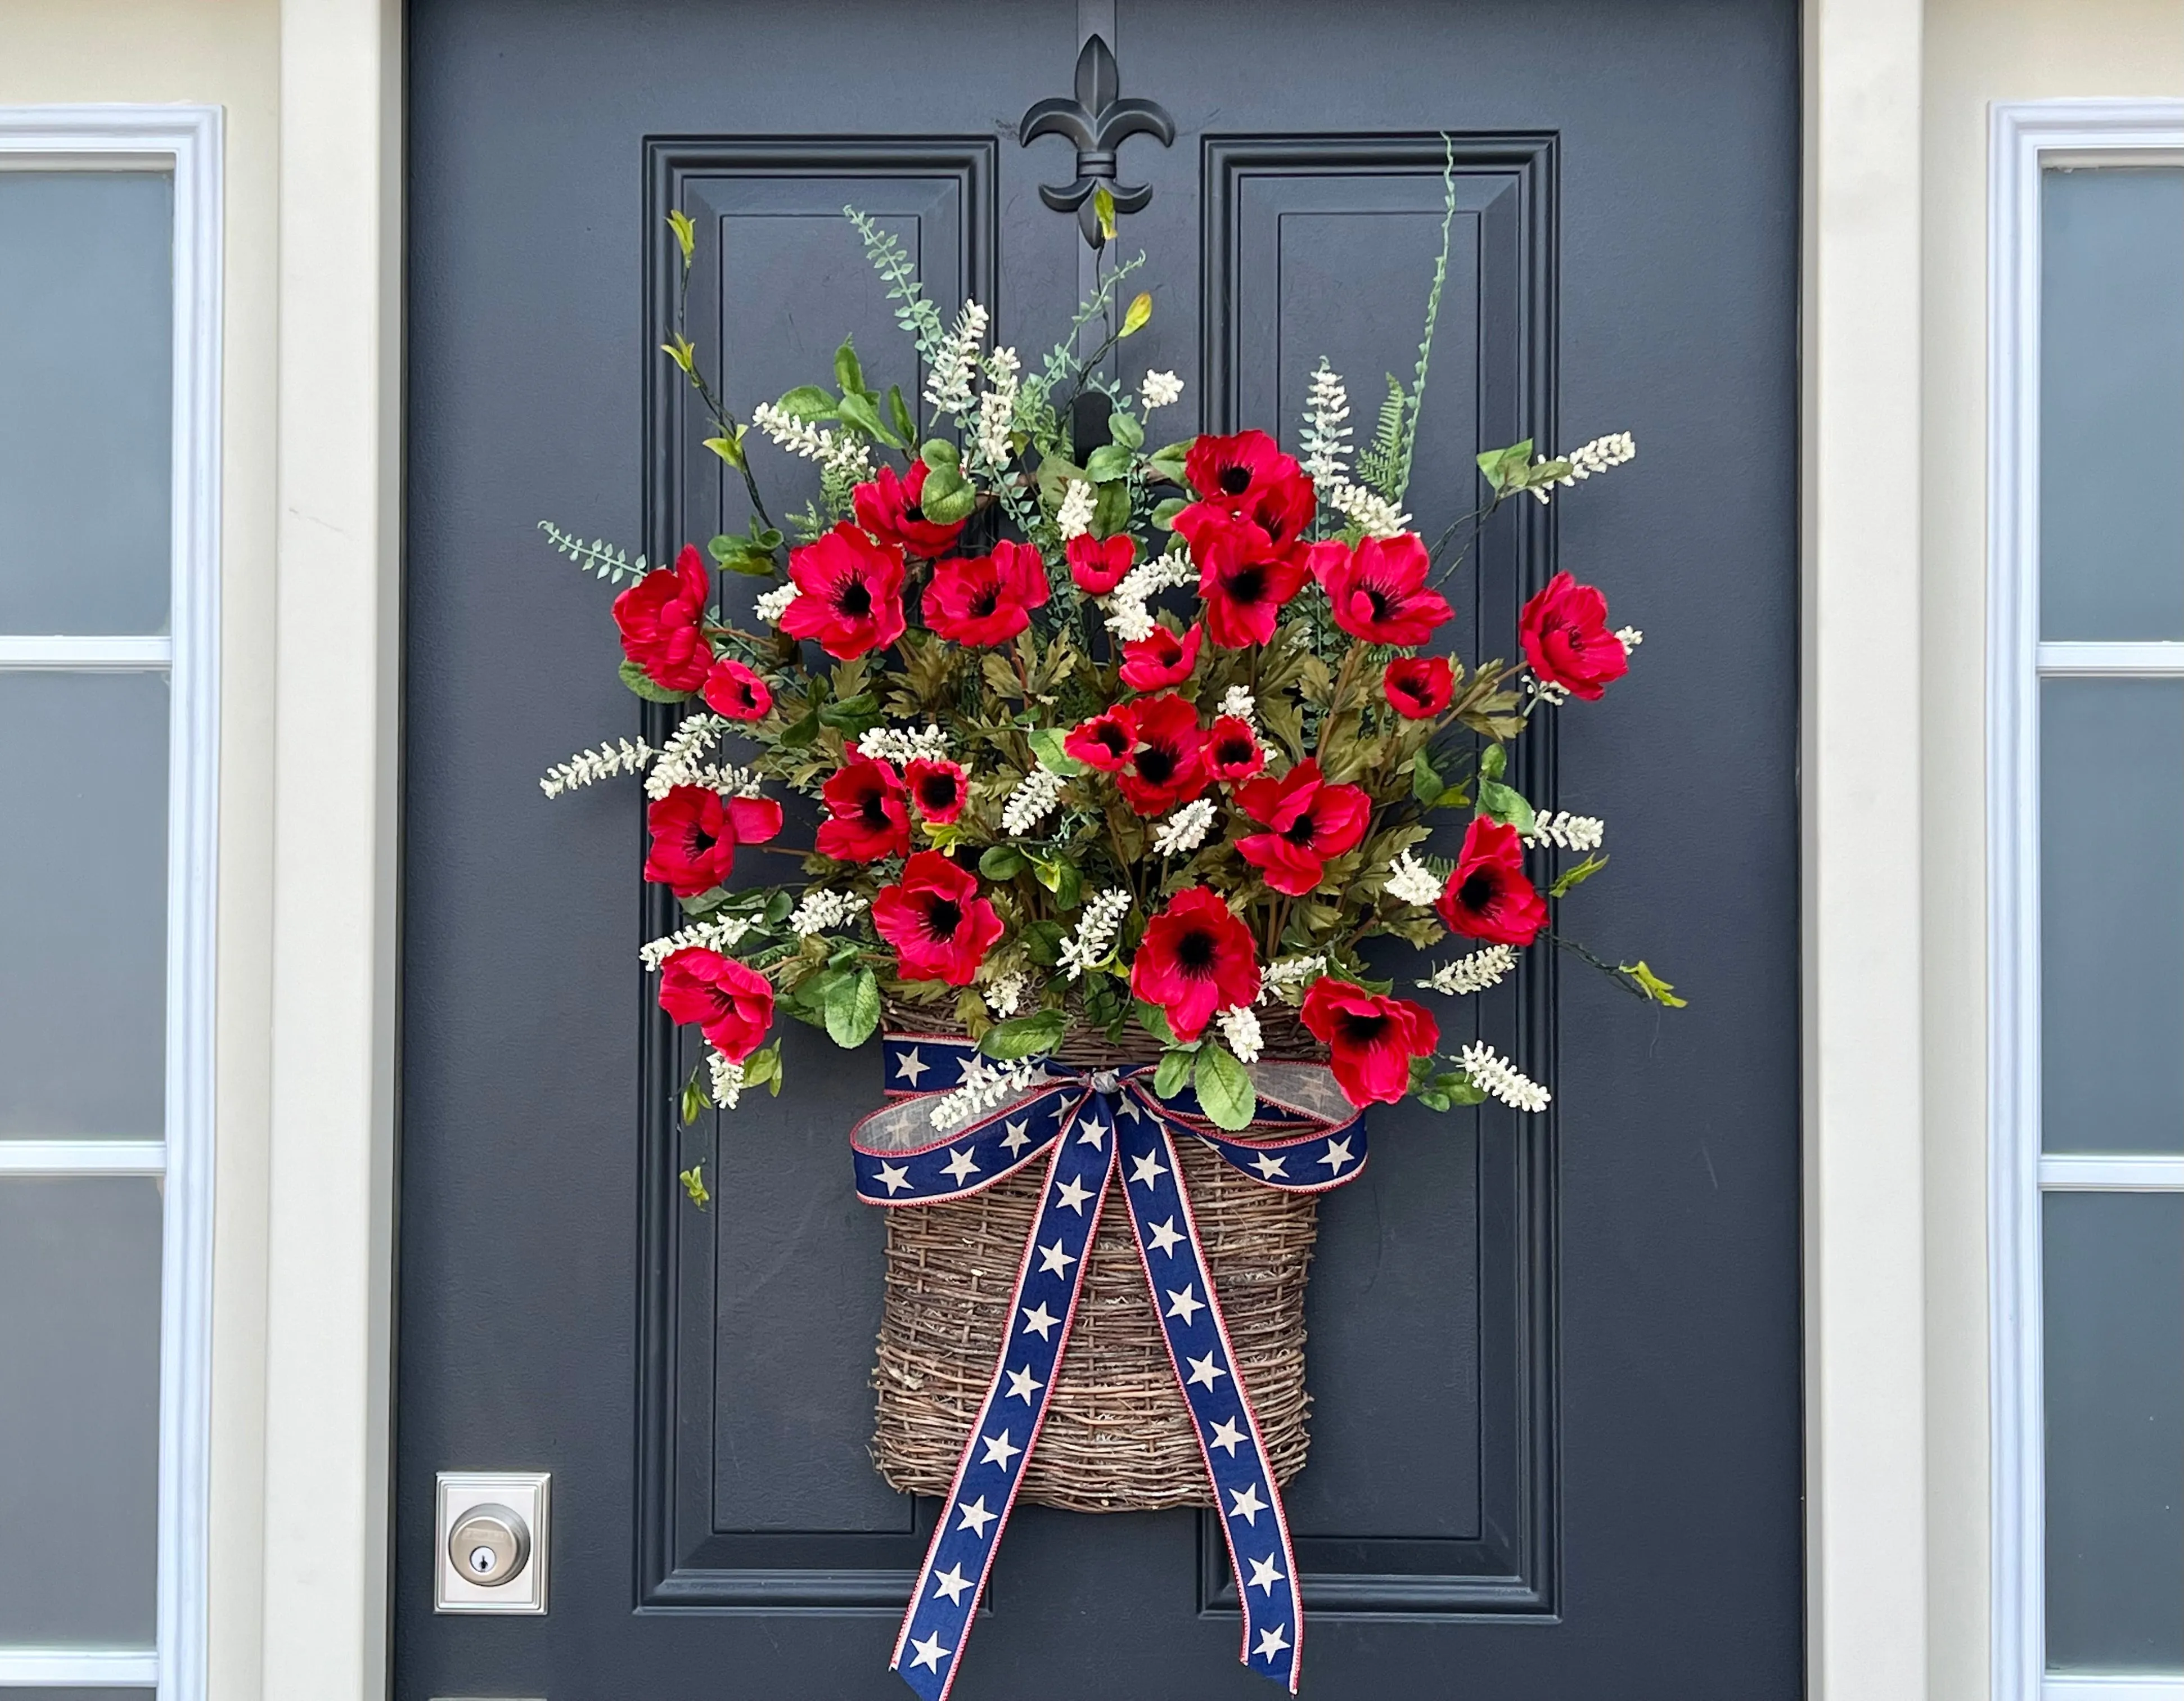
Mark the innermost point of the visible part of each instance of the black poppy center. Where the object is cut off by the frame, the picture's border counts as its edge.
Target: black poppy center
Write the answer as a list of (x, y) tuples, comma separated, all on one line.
[(987, 599), (915, 514), (1363, 1030), (1235, 480), (1248, 584), (1156, 764), (1477, 892), (1195, 951), (1300, 831), (938, 791), (1112, 740), (702, 841), (943, 916), (873, 809), (1230, 750), (853, 598)]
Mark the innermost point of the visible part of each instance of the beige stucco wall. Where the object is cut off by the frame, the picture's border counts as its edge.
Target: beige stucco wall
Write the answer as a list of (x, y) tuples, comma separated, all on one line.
[(1976, 52), (225, 52)]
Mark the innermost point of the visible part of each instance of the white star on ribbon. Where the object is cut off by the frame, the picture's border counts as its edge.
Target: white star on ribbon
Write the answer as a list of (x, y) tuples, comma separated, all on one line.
[(949, 1584), (1272, 1642), (1022, 1385), (959, 1165), (1038, 1320), (1094, 1132), (976, 1518), (998, 1450), (1248, 1506), (1205, 1371), (1227, 1437), (1165, 1238), (930, 1653), (1186, 1304), (1148, 1169), (1270, 1166), (894, 1177), (1130, 1108), (1017, 1137), (1055, 1258), (1072, 1195), (1337, 1154), (1265, 1574), (910, 1066)]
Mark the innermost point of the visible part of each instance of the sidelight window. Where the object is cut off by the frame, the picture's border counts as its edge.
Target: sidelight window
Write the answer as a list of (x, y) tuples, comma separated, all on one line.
[(109, 239), (2087, 938)]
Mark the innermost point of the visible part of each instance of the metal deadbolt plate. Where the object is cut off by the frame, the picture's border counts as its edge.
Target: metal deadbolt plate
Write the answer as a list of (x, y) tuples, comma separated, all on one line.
[(491, 1545)]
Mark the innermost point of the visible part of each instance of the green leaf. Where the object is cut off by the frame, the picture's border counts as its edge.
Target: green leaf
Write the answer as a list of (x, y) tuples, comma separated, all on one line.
[(1505, 803), (743, 555), (694, 1184), (1103, 210), (777, 907), (940, 455), (1174, 1071), (1058, 875), (681, 350), (808, 402), (685, 234), (696, 1101), (1572, 878), (729, 448), (1426, 784), (1107, 462), (1164, 515), (906, 427), (1111, 509), (1504, 468), (950, 506), (801, 732), (1493, 762), (1138, 314), (762, 1068), (1154, 1020), (1125, 430), (863, 414), (1659, 991), (853, 1009), (1024, 1037), (1000, 862), (1167, 462), (1047, 745), (642, 682), (1224, 1089), (849, 375)]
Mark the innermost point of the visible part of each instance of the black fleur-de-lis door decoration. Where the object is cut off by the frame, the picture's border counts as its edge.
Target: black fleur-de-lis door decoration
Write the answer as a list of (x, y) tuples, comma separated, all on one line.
[(1098, 121)]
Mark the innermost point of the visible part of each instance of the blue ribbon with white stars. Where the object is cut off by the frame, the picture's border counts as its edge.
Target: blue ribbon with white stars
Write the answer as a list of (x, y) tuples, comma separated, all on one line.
[(1098, 1132)]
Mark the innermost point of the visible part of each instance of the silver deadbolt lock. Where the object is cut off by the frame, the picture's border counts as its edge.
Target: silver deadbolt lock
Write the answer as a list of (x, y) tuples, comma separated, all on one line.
[(491, 1545)]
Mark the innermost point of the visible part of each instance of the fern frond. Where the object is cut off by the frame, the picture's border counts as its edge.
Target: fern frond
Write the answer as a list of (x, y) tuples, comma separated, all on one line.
[(598, 556), (1410, 431), (1380, 463), (917, 316)]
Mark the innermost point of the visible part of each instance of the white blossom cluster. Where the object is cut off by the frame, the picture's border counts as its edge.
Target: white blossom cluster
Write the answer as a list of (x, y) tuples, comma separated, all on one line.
[(820, 911), (1630, 637), (1588, 459), (1474, 972), (775, 602), (997, 408), (1005, 996), (1494, 1075), (722, 933), (1128, 617), (985, 1086), (1031, 802), (1548, 691), (955, 365), (1238, 703), (1159, 390), (1286, 977), (1326, 437), (683, 762), (589, 767), (1565, 831), (903, 745), (1239, 1027), (1102, 915), (728, 1080), (1074, 518), (1410, 881), (1185, 829), (1369, 511), (845, 454)]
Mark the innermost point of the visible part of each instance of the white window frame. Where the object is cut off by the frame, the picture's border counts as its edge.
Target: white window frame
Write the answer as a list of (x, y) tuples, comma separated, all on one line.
[(188, 140), (2025, 138)]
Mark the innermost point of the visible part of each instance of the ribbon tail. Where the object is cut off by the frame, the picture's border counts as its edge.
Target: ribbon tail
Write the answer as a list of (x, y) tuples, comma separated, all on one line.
[(1246, 1498), (928, 1649)]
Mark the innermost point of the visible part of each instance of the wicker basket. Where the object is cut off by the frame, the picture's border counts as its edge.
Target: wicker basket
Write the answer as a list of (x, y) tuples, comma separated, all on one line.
[(1117, 1437)]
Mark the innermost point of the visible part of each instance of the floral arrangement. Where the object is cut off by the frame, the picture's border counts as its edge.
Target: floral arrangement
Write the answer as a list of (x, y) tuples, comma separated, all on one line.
[(1139, 740)]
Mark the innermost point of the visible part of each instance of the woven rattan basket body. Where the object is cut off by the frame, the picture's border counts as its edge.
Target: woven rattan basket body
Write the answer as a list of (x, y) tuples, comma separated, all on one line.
[(1117, 1437)]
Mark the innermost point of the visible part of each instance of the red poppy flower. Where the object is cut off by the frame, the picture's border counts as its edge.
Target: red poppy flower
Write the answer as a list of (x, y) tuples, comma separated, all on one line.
[(1308, 821), (1098, 564), (1488, 896), (887, 508), (731, 1002), (938, 788), (848, 592), (733, 691), (694, 834), (1162, 659), (1225, 469), (1196, 958), (1168, 765), (986, 600), (662, 620), (940, 927), (1104, 742), (1244, 582), (1370, 1038), (1419, 686), (1232, 749), (1377, 591), (869, 816), (1567, 640)]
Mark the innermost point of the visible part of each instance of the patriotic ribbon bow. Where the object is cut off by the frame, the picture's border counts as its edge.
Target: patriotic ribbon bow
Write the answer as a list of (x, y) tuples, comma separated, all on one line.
[(1099, 1130)]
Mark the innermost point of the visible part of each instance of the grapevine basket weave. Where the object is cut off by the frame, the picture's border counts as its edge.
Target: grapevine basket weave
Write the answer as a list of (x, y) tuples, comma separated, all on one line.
[(1117, 1437)]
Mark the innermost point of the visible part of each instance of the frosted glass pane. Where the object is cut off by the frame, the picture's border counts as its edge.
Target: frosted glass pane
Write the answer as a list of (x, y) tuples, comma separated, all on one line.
[(2112, 404), (83, 905), (86, 339), (2115, 1431), (79, 1409), (2111, 915)]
